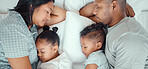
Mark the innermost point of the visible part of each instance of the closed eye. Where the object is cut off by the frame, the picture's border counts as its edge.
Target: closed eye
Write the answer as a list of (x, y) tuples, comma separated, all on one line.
[(47, 11), (42, 51), (97, 7), (85, 46)]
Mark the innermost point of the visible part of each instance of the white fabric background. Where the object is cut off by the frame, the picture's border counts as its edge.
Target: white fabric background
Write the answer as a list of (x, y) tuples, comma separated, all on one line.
[(72, 47)]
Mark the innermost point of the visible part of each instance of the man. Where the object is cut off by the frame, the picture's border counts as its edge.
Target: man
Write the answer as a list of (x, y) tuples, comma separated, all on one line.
[(126, 41)]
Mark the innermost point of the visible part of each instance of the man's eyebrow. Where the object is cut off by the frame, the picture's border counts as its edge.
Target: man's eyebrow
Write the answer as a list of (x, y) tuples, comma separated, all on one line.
[(96, 5)]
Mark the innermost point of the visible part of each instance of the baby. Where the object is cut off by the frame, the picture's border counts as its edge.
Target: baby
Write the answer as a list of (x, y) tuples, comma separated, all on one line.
[(92, 43), (47, 44)]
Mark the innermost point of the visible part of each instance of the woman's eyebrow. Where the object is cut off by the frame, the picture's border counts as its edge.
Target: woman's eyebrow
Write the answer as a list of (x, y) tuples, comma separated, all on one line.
[(50, 8)]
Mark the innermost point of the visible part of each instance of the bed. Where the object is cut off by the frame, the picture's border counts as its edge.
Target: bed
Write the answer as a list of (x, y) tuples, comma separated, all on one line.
[(70, 28)]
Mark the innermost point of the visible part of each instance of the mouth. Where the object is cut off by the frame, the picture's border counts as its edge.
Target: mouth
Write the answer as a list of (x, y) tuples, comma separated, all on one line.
[(41, 58), (84, 54), (97, 19), (44, 21)]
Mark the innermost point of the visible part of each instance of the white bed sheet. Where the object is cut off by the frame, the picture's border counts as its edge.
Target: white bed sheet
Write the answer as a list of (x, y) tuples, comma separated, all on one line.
[(73, 6)]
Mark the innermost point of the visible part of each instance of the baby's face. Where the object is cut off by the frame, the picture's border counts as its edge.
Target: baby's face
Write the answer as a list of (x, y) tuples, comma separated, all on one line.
[(45, 50), (88, 46)]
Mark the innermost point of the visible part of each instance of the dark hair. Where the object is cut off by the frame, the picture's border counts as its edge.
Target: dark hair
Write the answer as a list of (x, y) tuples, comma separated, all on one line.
[(50, 35), (24, 8), (96, 31)]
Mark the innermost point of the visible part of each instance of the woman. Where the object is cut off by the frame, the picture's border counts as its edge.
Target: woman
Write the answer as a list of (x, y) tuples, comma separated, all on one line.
[(18, 30)]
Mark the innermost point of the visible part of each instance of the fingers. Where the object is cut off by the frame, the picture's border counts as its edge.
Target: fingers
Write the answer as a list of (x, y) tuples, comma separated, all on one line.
[(129, 11)]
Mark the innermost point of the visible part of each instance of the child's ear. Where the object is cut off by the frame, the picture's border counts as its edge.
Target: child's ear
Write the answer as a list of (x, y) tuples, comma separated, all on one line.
[(55, 48), (99, 45)]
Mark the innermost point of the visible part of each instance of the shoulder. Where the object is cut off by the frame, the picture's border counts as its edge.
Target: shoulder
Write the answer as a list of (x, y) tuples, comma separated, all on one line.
[(12, 21), (11, 18), (97, 55), (65, 61), (64, 57), (131, 38), (46, 65), (96, 58), (130, 42)]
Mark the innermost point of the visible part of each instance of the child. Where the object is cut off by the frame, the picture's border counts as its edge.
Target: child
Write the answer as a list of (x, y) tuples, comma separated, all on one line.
[(47, 44), (92, 43)]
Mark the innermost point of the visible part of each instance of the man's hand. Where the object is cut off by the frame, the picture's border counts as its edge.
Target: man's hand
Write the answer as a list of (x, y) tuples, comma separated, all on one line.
[(58, 15), (129, 11)]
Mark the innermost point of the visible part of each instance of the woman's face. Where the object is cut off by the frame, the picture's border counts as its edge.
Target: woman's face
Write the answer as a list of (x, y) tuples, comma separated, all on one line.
[(42, 14)]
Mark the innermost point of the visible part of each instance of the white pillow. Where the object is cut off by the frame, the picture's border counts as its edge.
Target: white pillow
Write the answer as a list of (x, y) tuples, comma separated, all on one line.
[(69, 33), (5, 5), (75, 5), (59, 3), (138, 6)]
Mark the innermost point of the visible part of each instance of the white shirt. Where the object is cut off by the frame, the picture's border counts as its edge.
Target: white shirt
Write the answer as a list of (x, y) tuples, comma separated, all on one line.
[(127, 45), (61, 62), (97, 58)]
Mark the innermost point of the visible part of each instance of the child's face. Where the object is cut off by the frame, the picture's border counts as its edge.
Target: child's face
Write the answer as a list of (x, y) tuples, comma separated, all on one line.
[(45, 50), (88, 46)]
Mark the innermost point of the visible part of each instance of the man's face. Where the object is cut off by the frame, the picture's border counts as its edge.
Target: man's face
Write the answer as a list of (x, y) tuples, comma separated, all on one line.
[(102, 11)]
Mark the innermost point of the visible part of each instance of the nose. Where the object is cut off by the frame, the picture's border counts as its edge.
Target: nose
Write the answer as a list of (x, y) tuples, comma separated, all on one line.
[(83, 49), (39, 54), (48, 17), (94, 11)]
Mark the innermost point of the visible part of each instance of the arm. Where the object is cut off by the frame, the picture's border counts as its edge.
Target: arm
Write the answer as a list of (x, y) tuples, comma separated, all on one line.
[(91, 66), (20, 63), (15, 46), (131, 52), (58, 15), (87, 11)]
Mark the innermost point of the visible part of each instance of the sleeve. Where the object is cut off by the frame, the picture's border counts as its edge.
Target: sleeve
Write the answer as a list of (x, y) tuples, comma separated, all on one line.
[(50, 66), (14, 41), (65, 64), (91, 60), (46, 65), (131, 52), (64, 61)]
